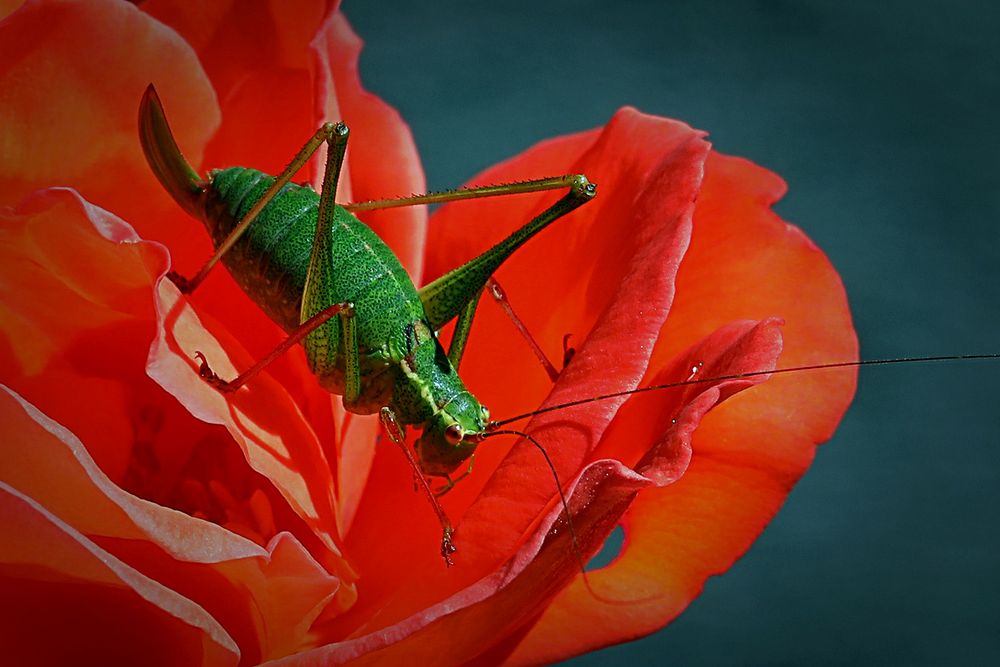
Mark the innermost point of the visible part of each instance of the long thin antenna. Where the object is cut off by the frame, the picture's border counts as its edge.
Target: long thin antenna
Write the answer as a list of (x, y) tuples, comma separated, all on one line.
[(577, 551), (737, 376)]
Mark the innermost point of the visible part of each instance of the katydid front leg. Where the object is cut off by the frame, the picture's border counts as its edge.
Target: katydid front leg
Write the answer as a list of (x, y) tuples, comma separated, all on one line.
[(392, 427)]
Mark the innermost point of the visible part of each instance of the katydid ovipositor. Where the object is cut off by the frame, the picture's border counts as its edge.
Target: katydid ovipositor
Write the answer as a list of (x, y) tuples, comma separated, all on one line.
[(324, 276)]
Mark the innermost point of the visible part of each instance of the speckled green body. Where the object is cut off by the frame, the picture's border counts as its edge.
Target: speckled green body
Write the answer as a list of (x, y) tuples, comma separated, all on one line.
[(331, 282), (403, 365)]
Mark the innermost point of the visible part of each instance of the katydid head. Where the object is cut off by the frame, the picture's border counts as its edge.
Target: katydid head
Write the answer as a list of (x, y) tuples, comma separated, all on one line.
[(452, 434)]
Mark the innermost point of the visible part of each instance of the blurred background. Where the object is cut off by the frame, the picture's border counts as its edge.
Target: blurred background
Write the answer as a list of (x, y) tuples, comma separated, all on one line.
[(882, 117)]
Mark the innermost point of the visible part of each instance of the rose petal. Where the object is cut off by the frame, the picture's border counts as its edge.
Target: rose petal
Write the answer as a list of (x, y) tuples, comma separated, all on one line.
[(747, 453), (267, 598), (69, 258), (583, 261), (469, 623), (234, 37), (71, 120), (482, 621), (78, 268), (69, 293), (8, 6), (617, 274), (382, 157), (65, 597), (263, 419), (629, 289)]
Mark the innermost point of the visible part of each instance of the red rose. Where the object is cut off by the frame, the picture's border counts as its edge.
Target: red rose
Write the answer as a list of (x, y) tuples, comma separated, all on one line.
[(148, 519)]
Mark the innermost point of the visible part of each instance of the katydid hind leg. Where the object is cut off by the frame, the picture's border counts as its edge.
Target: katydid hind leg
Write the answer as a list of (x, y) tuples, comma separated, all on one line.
[(445, 297), (460, 194)]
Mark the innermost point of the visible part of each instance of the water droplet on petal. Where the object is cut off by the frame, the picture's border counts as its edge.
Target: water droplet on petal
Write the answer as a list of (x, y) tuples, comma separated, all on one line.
[(694, 370)]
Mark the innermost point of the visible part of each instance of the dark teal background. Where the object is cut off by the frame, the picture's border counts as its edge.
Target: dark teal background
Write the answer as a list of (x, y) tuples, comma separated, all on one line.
[(882, 117)]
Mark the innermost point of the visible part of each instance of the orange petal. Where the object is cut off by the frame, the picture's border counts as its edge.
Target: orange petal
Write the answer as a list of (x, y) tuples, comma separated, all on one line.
[(747, 454), (262, 417), (486, 619), (65, 597), (88, 368), (71, 294), (611, 266), (235, 38), (469, 624), (266, 598), (72, 75), (614, 277), (7, 7)]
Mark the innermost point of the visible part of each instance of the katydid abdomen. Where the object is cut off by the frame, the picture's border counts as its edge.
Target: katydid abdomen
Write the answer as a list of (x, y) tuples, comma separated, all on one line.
[(271, 261)]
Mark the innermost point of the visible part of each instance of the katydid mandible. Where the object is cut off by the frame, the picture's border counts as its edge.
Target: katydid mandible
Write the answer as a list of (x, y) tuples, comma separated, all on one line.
[(332, 284)]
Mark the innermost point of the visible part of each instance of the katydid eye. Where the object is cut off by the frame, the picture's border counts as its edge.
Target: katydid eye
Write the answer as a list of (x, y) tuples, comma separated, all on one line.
[(453, 434)]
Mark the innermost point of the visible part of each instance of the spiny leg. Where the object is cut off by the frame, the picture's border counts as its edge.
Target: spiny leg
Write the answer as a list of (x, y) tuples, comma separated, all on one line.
[(396, 435), (475, 192), (331, 133), (465, 305), (463, 328), (446, 297)]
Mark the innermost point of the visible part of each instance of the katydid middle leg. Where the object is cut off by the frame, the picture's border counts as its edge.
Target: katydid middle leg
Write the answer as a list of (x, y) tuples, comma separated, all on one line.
[(346, 313), (500, 296)]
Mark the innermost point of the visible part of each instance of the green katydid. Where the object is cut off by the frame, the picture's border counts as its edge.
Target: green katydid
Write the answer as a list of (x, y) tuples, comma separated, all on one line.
[(369, 334), (333, 285)]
